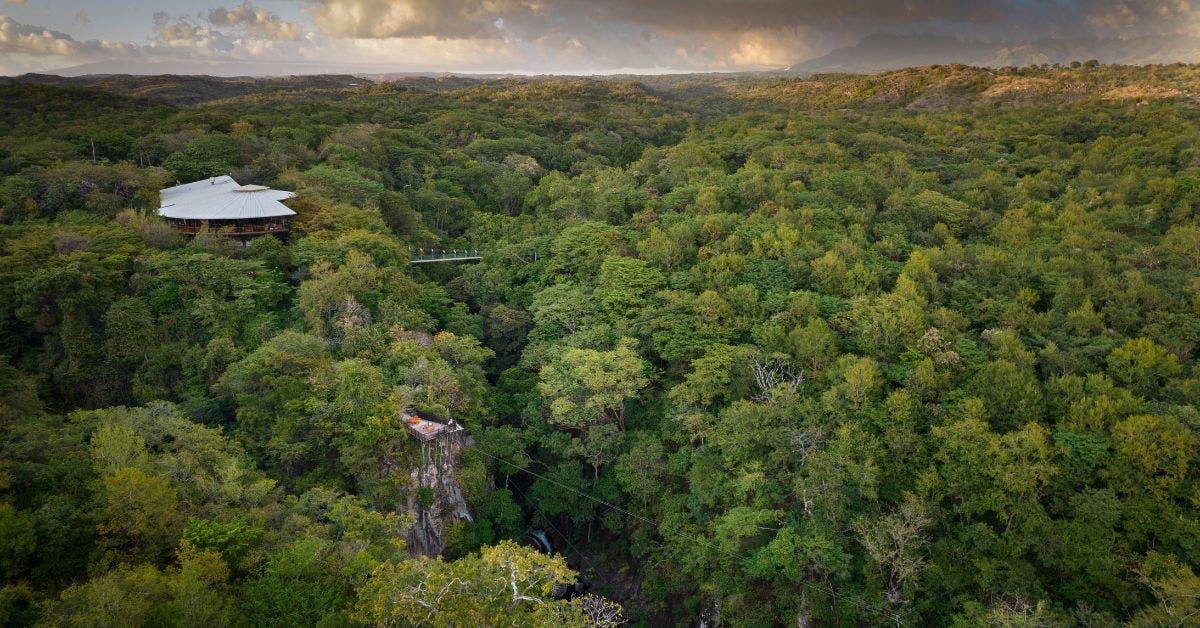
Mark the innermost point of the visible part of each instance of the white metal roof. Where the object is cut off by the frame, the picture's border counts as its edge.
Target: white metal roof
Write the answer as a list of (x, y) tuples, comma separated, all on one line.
[(221, 198)]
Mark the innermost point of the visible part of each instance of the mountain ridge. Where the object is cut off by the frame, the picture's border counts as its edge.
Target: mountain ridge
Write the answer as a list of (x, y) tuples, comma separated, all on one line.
[(181, 89), (885, 51)]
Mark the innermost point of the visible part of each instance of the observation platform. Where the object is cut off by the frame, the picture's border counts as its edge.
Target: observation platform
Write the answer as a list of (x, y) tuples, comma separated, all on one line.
[(430, 257), (426, 430)]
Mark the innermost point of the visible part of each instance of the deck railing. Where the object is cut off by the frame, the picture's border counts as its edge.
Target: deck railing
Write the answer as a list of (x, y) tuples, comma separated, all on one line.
[(259, 229), (426, 430), (445, 255)]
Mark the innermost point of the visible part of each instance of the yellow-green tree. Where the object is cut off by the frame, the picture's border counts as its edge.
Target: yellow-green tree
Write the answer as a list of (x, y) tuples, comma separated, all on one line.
[(586, 386), (506, 584)]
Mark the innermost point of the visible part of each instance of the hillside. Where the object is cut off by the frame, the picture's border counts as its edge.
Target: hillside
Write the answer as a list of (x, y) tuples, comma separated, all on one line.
[(881, 52), (186, 90), (951, 87), (932, 87)]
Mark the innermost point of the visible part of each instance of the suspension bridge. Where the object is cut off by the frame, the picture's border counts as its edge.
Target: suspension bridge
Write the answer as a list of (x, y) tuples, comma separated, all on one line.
[(443, 255)]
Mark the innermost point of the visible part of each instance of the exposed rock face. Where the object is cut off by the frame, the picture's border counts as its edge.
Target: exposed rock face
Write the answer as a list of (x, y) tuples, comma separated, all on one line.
[(438, 499)]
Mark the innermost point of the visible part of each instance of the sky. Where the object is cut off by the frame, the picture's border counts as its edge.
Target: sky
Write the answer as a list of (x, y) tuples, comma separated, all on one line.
[(259, 37)]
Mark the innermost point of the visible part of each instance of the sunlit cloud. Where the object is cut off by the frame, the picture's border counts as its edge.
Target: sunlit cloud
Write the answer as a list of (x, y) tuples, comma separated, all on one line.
[(183, 33), (258, 23), (550, 34), (379, 19), (26, 48), (18, 38)]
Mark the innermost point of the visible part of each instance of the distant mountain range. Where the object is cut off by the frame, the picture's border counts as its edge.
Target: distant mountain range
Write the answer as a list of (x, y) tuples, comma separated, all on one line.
[(890, 52), (207, 67), (875, 53)]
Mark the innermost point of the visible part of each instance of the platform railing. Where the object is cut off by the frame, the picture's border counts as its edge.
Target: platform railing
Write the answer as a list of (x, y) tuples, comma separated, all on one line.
[(235, 229), (445, 255)]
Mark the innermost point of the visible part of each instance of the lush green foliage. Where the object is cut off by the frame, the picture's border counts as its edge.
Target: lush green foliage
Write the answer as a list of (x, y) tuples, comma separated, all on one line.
[(850, 350)]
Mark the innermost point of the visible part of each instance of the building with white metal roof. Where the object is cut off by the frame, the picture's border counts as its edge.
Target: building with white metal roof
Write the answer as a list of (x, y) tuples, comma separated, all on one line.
[(240, 210)]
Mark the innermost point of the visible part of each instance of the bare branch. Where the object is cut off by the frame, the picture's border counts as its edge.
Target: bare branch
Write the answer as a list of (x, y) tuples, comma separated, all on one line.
[(601, 611), (772, 372)]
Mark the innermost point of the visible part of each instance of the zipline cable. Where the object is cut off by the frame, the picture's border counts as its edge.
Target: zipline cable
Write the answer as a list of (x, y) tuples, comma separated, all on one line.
[(570, 546), (896, 617)]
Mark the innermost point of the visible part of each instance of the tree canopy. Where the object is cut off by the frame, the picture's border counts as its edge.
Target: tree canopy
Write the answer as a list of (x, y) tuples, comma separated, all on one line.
[(918, 347)]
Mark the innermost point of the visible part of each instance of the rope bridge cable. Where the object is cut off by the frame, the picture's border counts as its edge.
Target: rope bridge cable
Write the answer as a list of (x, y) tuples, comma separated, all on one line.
[(896, 617)]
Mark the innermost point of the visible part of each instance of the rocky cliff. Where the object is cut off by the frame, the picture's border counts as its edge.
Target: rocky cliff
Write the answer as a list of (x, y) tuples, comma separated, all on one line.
[(437, 501)]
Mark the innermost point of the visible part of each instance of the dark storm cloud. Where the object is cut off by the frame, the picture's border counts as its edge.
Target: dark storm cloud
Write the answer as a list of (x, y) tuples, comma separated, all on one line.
[(608, 35), (728, 34), (721, 34), (478, 18)]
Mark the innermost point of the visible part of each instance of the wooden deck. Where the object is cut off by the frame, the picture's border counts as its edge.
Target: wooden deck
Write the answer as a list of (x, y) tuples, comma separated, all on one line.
[(235, 229), (425, 430)]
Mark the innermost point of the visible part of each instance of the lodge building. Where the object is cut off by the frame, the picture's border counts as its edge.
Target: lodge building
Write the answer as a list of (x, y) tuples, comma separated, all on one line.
[(239, 211)]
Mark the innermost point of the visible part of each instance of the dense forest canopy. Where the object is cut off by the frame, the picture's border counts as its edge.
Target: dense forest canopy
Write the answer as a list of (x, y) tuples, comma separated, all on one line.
[(917, 348)]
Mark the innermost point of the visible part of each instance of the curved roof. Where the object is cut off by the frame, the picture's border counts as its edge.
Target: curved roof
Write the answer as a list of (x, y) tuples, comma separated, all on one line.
[(221, 198)]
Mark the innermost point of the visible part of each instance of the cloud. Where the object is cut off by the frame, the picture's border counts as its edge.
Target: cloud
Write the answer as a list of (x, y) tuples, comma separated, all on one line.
[(582, 36), (1123, 18), (419, 53), (26, 39), (258, 23), (731, 34), (29, 48), (25, 47), (16, 37), (380, 19), (242, 31), (762, 48), (182, 33)]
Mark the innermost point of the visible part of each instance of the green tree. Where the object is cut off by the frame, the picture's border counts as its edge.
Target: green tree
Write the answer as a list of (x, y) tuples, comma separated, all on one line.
[(642, 469), (141, 515), (1011, 394), (586, 387), (599, 445), (580, 249), (1175, 588), (298, 585), (232, 540), (193, 594), (206, 156), (1143, 365), (1158, 450), (625, 285), (18, 541)]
